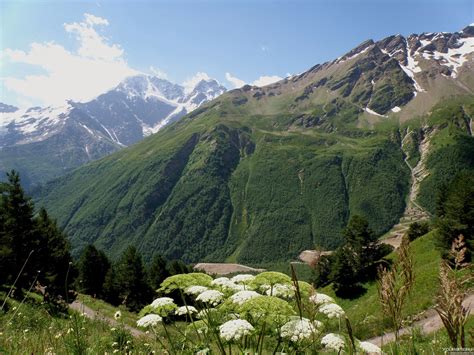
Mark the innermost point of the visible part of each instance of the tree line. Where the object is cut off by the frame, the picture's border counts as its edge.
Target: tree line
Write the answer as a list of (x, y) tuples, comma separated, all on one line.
[(35, 256)]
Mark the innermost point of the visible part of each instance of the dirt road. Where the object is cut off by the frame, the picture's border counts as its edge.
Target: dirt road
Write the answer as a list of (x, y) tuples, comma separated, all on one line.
[(430, 323), (90, 313)]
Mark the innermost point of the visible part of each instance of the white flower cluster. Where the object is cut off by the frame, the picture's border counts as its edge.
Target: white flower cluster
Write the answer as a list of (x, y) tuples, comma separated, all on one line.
[(162, 301), (320, 298), (234, 330), (298, 330), (195, 290), (181, 311), (220, 281), (227, 284), (242, 278), (332, 310), (280, 290), (369, 348), (333, 341), (149, 320), (242, 296), (212, 297)]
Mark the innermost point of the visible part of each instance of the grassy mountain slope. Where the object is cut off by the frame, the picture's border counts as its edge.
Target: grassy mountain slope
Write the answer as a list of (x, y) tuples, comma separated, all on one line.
[(260, 174)]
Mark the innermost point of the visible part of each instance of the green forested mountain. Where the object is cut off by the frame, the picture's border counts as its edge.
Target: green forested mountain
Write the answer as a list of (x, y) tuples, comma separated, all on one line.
[(261, 173)]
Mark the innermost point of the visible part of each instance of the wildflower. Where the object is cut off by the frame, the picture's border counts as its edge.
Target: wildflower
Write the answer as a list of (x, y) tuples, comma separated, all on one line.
[(233, 287), (212, 297), (333, 341), (195, 290), (320, 298), (266, 309), (128, 342), (242, 278), (180, 311), (26, 331), (220, 281), (235, 329), (280, 290), (298, 330), (114, 343), (115, 351), (332, 310), (162, 301), (243, 296), (270, 278), (370, 348), (117, 315), (149, 320), (57, 336), (113, 329), (162, 306), (146, 344), (183, 281)]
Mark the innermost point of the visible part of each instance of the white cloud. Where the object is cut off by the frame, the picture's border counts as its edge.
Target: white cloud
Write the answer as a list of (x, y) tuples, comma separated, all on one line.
[(158, 73), (266, 80), (236, 82), (96, 67), (95, 20), (191, 83), (261, 81)]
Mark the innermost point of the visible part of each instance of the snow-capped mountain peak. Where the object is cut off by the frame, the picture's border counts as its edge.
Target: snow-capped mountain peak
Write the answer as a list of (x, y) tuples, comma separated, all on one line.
[(139, 106)]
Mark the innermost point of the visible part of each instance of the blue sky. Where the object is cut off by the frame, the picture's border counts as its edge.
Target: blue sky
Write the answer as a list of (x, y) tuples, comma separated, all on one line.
[(53, 50)]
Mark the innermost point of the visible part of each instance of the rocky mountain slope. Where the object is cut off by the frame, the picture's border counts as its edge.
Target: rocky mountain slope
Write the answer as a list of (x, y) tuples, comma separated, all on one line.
[(43, 143), (261, 173)]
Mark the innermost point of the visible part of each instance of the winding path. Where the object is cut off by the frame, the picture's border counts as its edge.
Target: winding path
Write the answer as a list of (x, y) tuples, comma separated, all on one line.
[(430, 323), (95, 315)]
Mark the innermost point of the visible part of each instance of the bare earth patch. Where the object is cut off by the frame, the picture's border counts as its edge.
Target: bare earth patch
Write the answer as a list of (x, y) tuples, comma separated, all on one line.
[(224, 268)]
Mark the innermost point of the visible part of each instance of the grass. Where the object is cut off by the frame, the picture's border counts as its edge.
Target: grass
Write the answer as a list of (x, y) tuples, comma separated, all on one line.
[(31, 328), (365, 312), (434, 343), (108, 310)]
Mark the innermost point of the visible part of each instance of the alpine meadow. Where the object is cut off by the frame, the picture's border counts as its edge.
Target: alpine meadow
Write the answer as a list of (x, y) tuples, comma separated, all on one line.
[(329, 211)]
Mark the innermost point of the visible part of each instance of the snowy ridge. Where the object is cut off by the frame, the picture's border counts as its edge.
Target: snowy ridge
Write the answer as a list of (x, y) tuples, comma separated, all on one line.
[(139, 106)]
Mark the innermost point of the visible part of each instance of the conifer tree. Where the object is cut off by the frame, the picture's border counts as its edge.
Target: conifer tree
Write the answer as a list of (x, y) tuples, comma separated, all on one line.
[(18, 239), (52, 258), (92, 267), (158, 271), (131, 278)]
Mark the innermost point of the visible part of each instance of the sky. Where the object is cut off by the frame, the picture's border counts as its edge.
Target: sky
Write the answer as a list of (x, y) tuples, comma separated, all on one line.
[(51, 51)]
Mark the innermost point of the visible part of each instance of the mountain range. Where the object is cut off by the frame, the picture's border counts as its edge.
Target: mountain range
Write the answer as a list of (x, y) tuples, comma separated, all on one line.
[(46, 142), (261, 173)]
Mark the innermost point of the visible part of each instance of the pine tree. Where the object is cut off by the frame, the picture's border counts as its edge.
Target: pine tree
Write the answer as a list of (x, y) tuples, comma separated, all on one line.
[(344, 273), (134, 290), (363, 243), (93, 266), (52, 258), (456, 213), (17, 233), (110, 289), (33, 250), (158, 271), (176, 267)]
